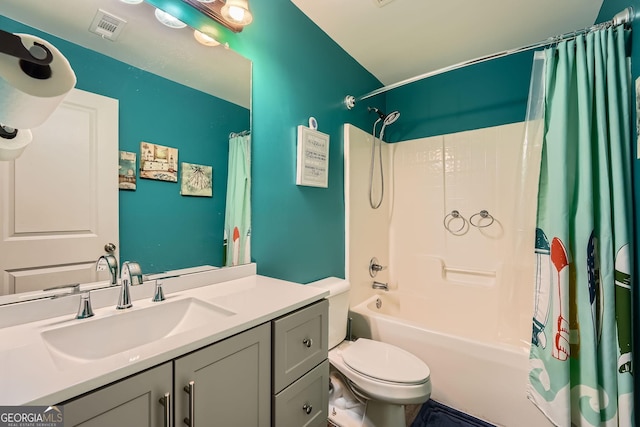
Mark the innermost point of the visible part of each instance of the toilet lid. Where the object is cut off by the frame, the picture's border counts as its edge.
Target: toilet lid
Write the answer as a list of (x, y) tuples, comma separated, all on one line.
[(385, 362)]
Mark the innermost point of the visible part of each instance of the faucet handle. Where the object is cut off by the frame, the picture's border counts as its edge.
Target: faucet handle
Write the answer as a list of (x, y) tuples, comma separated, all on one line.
[(85, 310), (374, 267), (158, 295)]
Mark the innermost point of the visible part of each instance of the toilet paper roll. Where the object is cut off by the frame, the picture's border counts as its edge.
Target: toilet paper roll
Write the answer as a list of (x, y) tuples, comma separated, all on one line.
[(26, 102), (10, 149)]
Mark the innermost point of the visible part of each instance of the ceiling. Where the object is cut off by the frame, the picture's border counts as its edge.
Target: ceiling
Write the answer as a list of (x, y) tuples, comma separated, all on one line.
[(143, 42), (405, 38)]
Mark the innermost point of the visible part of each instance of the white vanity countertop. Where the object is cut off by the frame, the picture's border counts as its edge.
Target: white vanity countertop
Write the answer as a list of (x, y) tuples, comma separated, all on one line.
[(32, 372)]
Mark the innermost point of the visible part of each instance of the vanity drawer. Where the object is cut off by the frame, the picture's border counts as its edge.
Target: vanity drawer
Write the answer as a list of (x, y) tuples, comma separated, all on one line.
[(305, 402), (299, 343)]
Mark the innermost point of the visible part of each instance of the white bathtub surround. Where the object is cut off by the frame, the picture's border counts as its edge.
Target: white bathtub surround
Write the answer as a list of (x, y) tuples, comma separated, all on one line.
[(474, 287), (33, 372), (366, 229)]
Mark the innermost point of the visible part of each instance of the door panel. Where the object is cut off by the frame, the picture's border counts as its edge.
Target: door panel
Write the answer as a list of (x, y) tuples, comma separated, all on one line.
[(59, 200)]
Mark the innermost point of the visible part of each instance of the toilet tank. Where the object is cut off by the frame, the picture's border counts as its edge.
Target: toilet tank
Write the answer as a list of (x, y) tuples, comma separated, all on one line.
[(338, 307)]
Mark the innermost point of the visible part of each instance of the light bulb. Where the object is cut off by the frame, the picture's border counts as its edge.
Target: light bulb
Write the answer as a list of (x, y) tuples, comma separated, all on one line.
[(236, 13)]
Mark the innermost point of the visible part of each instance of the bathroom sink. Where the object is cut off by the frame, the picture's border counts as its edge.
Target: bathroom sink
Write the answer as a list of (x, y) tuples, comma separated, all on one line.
[(100, 337)]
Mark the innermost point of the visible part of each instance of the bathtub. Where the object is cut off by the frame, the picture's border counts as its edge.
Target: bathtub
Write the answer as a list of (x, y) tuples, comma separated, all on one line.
[(471, 370)]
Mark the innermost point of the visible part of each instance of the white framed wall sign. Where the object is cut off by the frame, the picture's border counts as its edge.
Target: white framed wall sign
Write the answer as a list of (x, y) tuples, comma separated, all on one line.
[(313, 158)]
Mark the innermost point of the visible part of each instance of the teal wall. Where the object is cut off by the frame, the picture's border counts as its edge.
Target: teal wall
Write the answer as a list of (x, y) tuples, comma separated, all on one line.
[(474, 97), (159, 228), (298, 72)]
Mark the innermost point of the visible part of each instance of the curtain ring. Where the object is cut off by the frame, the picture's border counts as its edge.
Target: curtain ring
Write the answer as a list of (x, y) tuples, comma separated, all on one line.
[(452, 216), (483, 214)]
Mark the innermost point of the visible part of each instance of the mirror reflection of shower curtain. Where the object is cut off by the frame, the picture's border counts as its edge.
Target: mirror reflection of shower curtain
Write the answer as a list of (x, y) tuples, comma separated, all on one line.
[(237, 219), (580, 369)]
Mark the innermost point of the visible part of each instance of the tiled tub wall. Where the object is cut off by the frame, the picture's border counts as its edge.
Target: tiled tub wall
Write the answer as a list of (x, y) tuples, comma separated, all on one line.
[(480, 273)]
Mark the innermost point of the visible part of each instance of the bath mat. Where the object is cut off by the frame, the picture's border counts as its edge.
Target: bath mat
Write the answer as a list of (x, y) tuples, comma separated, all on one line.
[(434, 414)]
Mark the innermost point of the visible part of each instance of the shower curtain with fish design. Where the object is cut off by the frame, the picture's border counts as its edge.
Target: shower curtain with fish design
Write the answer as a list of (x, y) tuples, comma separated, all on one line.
[(237, 219), (581, 371)]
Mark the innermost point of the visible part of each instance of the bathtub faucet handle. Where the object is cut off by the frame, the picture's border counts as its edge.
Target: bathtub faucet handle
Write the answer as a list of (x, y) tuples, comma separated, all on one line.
[(380, 285), (374, 267)]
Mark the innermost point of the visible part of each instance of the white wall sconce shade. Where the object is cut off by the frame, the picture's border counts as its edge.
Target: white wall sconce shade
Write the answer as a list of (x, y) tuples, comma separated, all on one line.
[(237, 11), (205, 39), (169, 20)]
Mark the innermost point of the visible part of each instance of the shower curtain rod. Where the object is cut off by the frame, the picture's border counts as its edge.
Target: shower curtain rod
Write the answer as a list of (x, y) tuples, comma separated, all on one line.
[(624, 17)]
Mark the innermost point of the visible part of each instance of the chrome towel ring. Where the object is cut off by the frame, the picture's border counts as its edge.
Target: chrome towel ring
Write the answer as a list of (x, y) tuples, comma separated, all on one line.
[(483, 214), (451, 217)]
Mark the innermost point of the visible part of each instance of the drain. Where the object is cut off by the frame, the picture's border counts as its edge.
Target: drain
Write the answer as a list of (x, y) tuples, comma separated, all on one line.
[(378, 303)]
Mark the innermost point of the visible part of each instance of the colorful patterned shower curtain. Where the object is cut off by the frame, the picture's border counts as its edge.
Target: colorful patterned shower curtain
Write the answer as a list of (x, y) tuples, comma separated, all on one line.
[(580, 360), (237, 219)]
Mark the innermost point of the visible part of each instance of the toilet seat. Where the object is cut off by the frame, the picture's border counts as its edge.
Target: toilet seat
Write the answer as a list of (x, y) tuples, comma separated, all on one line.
[(384, 362), (389, 392)]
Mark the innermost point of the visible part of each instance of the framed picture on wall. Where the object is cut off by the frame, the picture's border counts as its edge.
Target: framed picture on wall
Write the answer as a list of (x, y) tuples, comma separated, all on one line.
[(127, 170), (158, 162), (197, 180), (313, 158)]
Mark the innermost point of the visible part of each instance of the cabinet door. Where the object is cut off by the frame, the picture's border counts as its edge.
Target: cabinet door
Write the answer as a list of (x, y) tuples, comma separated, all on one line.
[(300, 343), (304, 403), (133, 402), (231, 382)]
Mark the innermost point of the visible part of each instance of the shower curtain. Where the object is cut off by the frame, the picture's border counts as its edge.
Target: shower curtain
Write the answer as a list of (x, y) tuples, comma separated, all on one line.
[(237, 219), (580, 358)]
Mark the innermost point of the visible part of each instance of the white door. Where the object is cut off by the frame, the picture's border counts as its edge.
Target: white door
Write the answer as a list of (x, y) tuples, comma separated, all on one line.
[(59, 200)]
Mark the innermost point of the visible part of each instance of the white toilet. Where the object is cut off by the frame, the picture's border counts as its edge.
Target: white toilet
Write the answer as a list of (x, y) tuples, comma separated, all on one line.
[(372, 380)]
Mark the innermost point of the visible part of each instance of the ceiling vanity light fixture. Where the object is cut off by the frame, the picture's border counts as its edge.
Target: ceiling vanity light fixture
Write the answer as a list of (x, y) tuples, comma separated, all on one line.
[(237, 12), (169, 20), (205, 39)]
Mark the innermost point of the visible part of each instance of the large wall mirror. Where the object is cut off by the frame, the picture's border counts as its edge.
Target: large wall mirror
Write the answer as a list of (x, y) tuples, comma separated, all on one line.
[(172, 91)]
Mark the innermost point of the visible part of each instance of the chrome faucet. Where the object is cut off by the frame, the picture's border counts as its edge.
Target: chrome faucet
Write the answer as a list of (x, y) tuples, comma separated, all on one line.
[(84, 310), (108, 262), (127, 272), (380, 285)]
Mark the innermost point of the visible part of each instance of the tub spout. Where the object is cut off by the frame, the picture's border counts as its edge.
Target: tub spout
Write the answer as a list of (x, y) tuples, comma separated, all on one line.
[(380, 285)]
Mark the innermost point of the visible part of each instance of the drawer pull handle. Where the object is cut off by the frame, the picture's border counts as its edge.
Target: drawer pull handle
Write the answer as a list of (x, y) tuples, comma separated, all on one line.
[(190, 389), (307, 408), (308, 342), (166, 402)]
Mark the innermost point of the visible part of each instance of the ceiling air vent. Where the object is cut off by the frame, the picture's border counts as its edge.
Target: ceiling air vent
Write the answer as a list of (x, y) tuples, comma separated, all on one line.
[(107, 25)]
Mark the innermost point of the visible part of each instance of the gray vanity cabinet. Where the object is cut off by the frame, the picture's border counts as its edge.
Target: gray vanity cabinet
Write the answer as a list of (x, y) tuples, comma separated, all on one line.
[(230, 382), (132, 402), (230, 386), (301, 368)]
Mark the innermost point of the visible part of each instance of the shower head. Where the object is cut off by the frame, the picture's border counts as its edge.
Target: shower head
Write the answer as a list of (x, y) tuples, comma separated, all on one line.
[(387, 118), (391, 118)]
